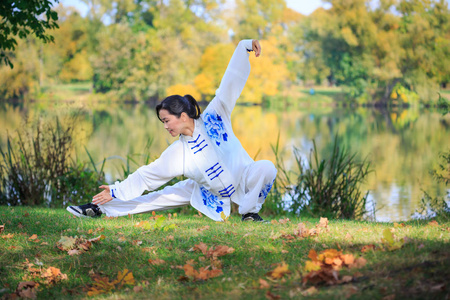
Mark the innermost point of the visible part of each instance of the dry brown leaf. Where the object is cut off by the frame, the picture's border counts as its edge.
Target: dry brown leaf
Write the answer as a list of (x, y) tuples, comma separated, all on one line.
[(27, 289), (433, 223), (33, 237), (8, 236), (219, 251), (156, 261), (201, 274), (74, 252), (284, 221), (309, 292), (136, 242), (53, 275), (137, 289), (263, 284), (271, 296), (201, 247), (203, 228), (367, 248)]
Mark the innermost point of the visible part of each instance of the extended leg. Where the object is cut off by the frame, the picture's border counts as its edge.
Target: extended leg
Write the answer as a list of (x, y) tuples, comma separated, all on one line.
[(173, 196)]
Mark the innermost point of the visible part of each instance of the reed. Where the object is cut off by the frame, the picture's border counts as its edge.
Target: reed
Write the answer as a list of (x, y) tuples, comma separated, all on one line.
[(324, 187), (37, 167)]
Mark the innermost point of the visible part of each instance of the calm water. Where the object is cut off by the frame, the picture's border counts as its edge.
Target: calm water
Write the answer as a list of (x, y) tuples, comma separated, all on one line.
[(403, 146)]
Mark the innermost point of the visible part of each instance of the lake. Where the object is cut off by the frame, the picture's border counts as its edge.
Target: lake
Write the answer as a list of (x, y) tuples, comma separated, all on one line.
[(402, 145)]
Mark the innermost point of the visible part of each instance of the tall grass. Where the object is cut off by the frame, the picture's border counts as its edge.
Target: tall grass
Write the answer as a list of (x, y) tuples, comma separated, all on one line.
[(37, 167), (324, 187)]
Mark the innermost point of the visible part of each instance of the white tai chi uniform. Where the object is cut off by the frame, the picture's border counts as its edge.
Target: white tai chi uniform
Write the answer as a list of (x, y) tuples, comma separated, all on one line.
[(218, 168)]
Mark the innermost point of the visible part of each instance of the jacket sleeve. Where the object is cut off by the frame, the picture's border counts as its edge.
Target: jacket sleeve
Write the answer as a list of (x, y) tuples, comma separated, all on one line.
[(235, 76), (152, 176)]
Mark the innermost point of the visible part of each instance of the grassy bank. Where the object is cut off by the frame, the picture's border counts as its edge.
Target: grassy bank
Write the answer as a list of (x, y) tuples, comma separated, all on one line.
[(165, 257)]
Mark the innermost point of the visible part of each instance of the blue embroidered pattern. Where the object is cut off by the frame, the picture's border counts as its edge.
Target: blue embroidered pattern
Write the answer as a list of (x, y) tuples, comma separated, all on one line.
[(215, 128), (266, 189), (228, 191), (198, 144), (211, 200), (214, 171)]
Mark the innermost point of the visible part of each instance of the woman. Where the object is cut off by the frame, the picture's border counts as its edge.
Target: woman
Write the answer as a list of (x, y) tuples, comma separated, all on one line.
[(207, 153)]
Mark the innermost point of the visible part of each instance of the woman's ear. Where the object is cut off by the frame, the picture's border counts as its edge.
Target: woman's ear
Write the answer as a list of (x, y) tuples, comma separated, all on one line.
[(184, 116)]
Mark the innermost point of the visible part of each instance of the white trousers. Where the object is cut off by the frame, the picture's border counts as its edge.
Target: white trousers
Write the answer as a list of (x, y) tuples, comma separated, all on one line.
[(257, 177)]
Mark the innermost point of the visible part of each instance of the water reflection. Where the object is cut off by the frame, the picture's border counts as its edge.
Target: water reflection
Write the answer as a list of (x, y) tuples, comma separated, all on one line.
[(403, 146)]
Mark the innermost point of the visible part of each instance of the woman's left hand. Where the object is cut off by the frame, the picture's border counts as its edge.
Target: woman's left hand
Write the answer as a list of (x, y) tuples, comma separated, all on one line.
[(256, 47), (102, 197)]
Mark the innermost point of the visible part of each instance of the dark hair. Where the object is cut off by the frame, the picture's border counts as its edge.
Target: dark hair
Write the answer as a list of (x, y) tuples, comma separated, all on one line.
[(176, 105)]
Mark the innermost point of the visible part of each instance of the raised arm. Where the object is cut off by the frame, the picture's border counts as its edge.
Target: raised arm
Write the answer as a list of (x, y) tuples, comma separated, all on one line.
[(236, 75)]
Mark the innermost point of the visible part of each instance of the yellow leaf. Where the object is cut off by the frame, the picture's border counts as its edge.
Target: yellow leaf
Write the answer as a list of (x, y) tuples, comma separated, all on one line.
[(124, 277), (223, 216), (279, 271), (312, 266)]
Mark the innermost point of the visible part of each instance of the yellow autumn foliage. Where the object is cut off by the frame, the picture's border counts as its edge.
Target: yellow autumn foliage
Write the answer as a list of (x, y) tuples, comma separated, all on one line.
[(183, 89)]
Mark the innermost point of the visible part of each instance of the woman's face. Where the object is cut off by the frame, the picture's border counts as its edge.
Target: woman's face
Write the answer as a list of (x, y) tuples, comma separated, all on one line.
[(175, 126)]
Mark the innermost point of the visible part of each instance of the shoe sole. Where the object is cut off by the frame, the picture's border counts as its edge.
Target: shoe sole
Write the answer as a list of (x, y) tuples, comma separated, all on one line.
[(75, 212)]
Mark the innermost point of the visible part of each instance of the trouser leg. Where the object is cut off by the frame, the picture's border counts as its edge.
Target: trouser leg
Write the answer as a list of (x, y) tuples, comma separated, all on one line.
[(259, 178), (173, 196)]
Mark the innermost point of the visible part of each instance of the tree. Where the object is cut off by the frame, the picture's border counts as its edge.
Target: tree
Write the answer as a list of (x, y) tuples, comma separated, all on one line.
[(22, 17)]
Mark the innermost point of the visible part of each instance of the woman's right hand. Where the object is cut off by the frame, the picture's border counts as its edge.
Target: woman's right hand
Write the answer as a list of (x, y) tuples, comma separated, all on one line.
[(256, 47), (102, 197)]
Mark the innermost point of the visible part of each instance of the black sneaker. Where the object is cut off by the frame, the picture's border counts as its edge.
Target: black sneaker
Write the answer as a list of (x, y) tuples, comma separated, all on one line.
[(252, 217), (86, 210)]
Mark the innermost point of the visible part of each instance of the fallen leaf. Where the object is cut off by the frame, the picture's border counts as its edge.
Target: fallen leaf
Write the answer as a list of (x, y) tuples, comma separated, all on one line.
[(156, 261), (203, 228), (367, 248), (27, 289), (201, 274), (312, 266), (263, 284), (284, 221), (137, 289), (53, 275), (33, 237), (136, 242), (271, 296), (433, 223), (74, 252), (223, 216), (279, 271), (66, 243), (8, 236), (309, 292), (323, 223)]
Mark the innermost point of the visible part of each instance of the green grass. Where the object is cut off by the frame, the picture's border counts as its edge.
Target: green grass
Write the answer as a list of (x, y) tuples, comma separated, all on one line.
[(419, 270)]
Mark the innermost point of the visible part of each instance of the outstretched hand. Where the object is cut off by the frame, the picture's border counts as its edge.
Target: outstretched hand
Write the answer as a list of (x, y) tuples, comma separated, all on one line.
[(256, 47), (102, 197)]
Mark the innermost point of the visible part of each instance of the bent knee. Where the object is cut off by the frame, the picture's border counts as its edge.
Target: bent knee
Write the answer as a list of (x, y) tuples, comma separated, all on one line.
[(267, 168)]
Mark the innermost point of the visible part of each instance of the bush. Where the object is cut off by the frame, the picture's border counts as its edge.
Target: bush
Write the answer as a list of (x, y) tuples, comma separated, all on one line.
[(37, 168), (437, 206), (328, 188)]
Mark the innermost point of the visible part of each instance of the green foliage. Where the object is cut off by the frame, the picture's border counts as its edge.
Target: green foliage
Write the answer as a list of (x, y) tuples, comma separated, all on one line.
[(331, 187), (24, 17), (443, 105), (438, 206), (37, 168)]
